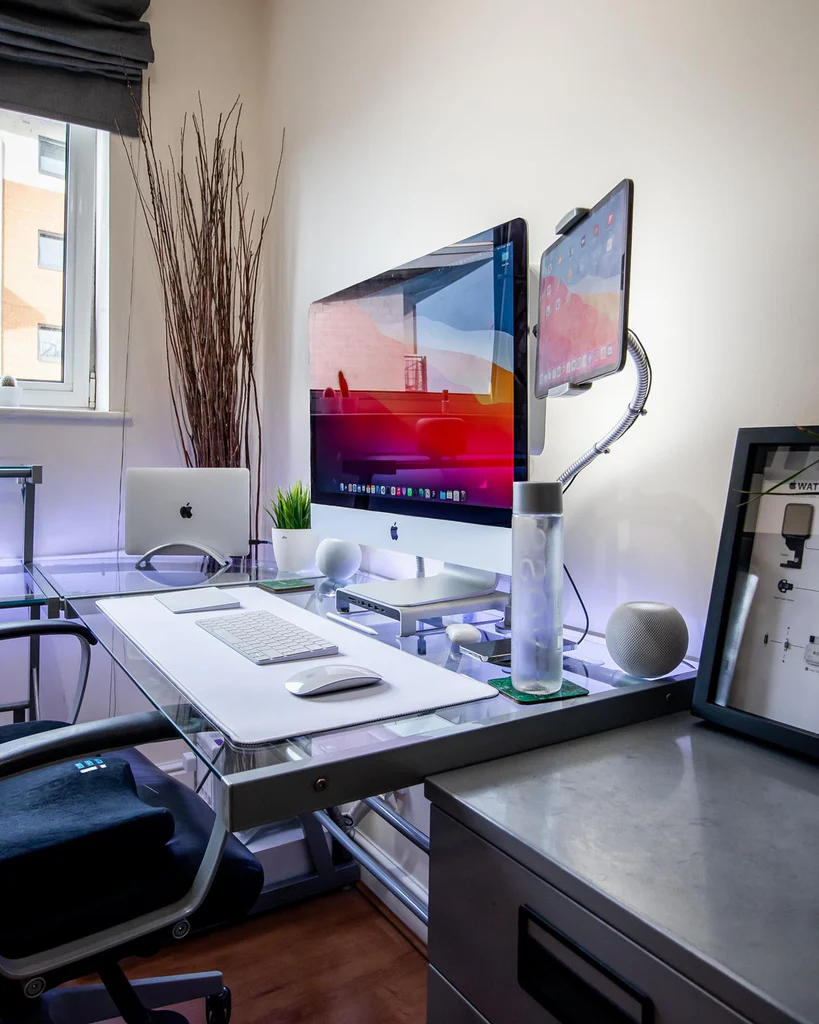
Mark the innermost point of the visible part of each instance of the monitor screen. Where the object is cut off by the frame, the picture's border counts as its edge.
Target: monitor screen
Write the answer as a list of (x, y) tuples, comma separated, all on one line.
[(418, 384), (583, 299)]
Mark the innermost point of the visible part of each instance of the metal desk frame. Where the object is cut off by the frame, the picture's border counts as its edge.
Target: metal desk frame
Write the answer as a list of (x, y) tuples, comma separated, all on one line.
[(267, 794), (28, 477)]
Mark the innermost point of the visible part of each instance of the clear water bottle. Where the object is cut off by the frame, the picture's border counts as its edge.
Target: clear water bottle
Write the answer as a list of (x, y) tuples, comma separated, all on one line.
[(537, 587)]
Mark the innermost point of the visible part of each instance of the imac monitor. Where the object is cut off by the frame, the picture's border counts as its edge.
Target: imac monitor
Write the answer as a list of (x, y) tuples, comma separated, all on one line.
[(583, 300), (418, 392)]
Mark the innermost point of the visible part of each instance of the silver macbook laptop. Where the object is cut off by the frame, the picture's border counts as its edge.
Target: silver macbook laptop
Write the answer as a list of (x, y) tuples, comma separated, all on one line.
[(180, 509)]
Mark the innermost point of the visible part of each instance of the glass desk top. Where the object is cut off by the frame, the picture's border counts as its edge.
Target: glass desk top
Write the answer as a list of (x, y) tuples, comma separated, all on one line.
[(17, 587), (110, 573), (268, 782)]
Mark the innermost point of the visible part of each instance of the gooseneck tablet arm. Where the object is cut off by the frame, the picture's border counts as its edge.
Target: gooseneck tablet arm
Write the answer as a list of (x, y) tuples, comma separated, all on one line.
[(635, 409)]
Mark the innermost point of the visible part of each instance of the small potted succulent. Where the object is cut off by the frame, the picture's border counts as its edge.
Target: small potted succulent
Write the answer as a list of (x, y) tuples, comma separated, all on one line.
[(10, 391), (294, 543)]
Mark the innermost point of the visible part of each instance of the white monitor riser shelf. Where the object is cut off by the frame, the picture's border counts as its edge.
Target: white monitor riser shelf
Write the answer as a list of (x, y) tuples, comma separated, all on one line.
[(385, 599)]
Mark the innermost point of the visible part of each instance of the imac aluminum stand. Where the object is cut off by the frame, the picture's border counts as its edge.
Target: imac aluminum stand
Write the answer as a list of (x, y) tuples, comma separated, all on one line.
[(454, 590)]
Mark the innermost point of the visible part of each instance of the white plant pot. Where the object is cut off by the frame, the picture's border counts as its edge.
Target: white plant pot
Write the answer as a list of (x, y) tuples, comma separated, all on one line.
[(294, 550), (11, 396)]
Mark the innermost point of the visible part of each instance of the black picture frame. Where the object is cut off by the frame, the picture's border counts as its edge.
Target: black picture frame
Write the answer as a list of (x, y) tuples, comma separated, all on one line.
[(752, 444)]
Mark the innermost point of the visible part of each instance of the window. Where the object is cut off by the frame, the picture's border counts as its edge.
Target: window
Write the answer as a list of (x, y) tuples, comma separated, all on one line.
[(49, 343), (49, 251), (51, 156), (53, 190)]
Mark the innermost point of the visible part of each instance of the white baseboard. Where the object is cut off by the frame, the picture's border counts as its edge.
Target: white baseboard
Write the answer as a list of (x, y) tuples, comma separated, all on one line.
[(406, 917)]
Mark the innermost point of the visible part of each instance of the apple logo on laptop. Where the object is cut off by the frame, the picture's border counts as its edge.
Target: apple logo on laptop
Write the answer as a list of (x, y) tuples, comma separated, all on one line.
[(186, 511), (394, 531)]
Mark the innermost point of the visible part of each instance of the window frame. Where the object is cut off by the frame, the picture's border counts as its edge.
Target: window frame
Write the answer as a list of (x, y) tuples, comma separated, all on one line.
[(80, 246)]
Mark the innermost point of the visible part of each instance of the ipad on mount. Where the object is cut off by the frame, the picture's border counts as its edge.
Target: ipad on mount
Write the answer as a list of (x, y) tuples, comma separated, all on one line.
[(583, 295)]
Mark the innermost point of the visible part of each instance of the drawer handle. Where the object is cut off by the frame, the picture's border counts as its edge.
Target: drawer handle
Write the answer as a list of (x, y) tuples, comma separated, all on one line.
[(574, 986)]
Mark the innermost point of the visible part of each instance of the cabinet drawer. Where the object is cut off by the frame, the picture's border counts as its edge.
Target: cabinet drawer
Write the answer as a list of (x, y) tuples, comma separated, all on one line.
[(521, 952)]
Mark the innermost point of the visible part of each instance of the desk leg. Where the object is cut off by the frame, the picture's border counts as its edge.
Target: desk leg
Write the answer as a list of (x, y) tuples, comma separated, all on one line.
[(329, 872), (32, 704), (34, 672), (317, 845), (29, 491)]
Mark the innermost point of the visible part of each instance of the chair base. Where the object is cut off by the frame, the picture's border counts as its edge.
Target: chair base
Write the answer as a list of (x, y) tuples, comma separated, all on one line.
[(88, 1004)]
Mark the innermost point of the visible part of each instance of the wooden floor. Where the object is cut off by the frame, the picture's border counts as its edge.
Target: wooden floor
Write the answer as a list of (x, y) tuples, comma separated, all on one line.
[(332, 960)]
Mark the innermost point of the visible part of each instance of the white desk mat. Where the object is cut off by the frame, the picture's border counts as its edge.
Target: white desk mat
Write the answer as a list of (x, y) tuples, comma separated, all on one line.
[(250, 704)]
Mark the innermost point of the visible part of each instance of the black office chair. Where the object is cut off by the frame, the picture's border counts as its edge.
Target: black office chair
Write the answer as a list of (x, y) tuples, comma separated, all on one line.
[(103, 856)]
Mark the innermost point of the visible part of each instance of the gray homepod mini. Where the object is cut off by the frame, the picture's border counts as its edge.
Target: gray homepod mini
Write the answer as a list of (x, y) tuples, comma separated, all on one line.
[(646, 638)]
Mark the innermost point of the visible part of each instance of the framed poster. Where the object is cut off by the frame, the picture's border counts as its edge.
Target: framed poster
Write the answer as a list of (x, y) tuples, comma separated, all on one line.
[(759, 669)]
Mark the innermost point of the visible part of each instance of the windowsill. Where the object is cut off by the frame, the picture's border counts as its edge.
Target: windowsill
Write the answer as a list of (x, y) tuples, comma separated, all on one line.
[(32, 413)]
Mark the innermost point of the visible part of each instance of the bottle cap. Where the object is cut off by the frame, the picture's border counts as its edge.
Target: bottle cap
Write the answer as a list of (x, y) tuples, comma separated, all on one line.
[(537, 498)]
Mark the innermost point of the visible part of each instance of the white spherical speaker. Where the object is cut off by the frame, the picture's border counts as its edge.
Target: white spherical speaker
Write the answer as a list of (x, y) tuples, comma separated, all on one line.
[(647, 639), (338, 559)]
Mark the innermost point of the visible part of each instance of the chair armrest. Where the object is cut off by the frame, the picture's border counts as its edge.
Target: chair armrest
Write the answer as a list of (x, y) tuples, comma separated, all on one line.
[(57, 627), (46, 627), (45, 748)]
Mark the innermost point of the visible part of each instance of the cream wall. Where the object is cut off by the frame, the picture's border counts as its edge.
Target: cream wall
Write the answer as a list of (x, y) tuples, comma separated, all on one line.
[(413, 124)]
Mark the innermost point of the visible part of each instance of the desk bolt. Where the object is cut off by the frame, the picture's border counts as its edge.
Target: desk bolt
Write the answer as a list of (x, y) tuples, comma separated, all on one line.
[(320, 785), (34, 988)]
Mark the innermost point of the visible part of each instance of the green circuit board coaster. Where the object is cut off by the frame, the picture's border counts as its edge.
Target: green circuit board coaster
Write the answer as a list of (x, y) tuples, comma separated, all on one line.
[(567, 690), (294, 583)]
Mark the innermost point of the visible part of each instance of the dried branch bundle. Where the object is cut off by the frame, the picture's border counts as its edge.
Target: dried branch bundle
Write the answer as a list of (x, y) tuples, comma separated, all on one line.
[(207, 245)]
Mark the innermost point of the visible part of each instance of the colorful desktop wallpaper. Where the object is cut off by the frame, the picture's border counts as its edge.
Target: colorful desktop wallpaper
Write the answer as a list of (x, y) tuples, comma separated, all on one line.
[(580, 295), (411, 376)]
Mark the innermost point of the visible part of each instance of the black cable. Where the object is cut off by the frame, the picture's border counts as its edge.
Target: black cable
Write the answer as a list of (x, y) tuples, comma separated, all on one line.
[(582, 605), (127, 363), (112, 688), (569, 484)]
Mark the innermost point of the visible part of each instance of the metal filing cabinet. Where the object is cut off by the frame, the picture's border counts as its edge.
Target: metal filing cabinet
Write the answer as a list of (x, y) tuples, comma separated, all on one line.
[(662, 873), (520, 952)]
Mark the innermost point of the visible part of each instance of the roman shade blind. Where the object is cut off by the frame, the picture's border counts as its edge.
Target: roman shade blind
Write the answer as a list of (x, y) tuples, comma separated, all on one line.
[(75, 60)]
